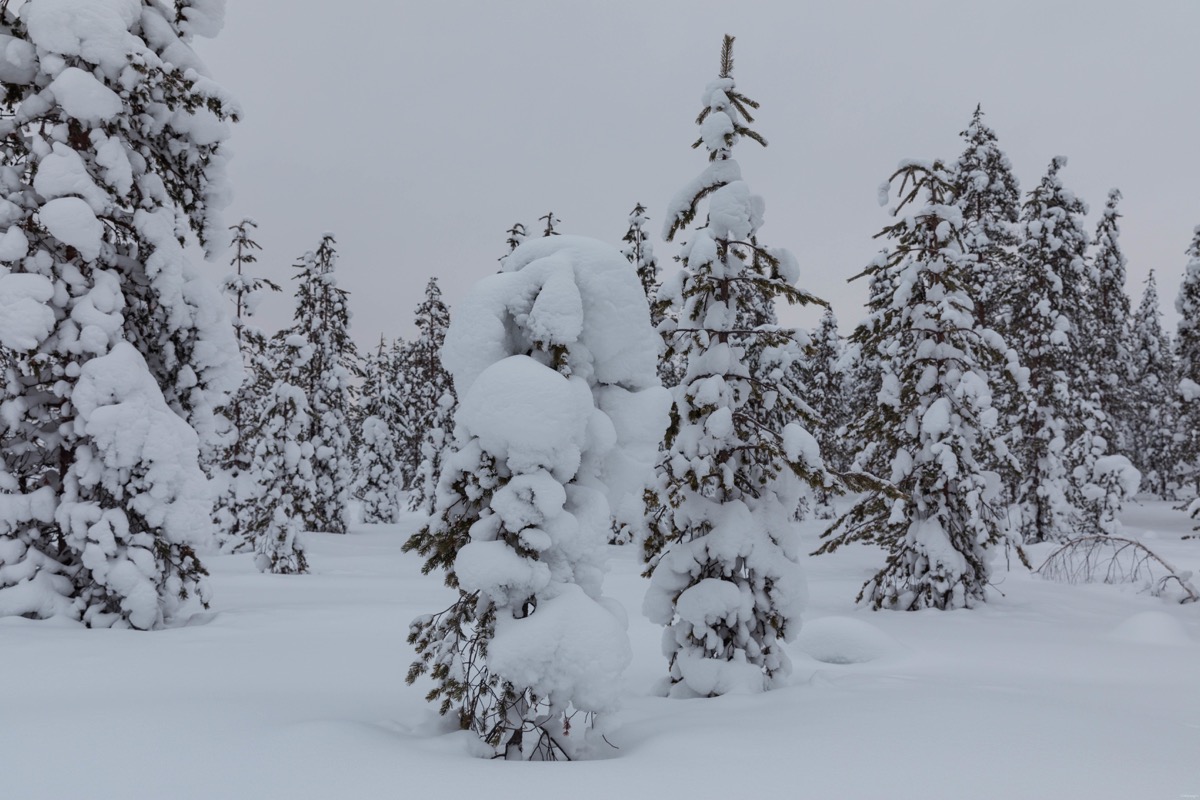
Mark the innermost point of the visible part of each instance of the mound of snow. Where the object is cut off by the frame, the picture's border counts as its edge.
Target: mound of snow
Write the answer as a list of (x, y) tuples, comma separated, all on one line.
[(845, 640), (1152, 627)]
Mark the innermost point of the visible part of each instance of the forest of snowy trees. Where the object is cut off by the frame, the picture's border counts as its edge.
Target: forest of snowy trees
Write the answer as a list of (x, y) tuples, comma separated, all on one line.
[(1000, 390)]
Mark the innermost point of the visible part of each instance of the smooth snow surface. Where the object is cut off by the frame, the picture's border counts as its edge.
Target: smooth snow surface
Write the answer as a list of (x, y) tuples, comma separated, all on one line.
[(293, 687)]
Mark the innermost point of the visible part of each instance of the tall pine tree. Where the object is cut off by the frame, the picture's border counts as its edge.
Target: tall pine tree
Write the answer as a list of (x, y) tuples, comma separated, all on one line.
[(284, 463), (1152, 425), (427, 400), (235, 501), (1058, 407), (721, 550), (822, 372), (990, 199), (322, 319), (934, 410), (1187, 350), (1108, 339), (376, 482), (639, 251)]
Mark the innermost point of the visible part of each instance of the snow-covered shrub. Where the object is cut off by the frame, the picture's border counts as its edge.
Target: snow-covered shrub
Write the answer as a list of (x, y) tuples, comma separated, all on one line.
[(554, 363), (1115, 559)]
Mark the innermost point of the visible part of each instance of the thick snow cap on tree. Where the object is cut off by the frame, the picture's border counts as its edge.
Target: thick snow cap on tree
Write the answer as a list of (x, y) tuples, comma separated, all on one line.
[(581, 294), (585, 291)]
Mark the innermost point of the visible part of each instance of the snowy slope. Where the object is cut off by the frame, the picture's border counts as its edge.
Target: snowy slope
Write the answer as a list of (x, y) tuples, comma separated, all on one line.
[(292, 686)]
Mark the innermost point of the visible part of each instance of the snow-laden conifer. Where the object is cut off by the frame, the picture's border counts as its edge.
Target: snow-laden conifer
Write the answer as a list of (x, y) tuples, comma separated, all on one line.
[(1107, 343), (1187, 351), (863, 366), (1153, 437), (376, 482), (721, 548), (990, 198), (284, 461), (322, 319), (427, 402), (113, 153), (554, 362), (822, 373), (1058, 415), (933, 414), (639, 250), (235, 498)]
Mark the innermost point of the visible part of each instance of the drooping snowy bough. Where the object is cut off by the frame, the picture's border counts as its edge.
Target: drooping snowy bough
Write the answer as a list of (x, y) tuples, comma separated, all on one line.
[(554, 362), (721, 545)]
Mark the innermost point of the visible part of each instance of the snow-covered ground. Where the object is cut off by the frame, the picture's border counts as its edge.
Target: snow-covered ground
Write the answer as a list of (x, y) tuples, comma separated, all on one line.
[(293, 687)]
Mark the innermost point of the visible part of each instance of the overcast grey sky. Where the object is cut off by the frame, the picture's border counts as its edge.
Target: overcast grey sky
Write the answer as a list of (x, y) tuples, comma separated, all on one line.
[(418, 132)]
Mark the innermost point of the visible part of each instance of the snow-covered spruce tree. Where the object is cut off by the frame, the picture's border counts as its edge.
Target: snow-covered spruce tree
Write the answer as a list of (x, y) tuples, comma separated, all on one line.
[(721, 549), (113, 154), (933, 414), (560, 415), (863, 367), (284, 462), (428, 401), (1108, 338), (1152, 422), (375, 481), (990, 198), (234, 501), (322, 319), (639, 250), (821, 373), (1187, 352), (1058, 413)]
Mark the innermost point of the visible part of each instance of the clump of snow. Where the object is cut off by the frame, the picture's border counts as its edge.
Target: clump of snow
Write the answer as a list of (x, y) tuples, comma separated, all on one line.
[(83, 97), (72, 221), (571, 649), (95, 30), (203, 18), (528, 415), (25, 319)]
